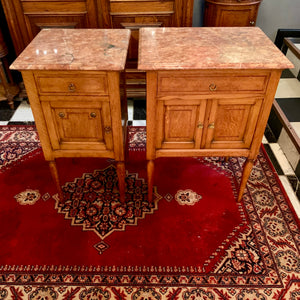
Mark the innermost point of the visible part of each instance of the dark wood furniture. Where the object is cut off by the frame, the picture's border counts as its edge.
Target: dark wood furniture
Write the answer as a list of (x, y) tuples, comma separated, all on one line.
[(209, 92), (10, 88), (72, 78), (228, 13)]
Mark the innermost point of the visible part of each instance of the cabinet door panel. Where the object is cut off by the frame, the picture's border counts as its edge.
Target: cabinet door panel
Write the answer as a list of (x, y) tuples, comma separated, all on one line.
[(235, 17), (79, 126), (36, 23), (58, 14), (232, 123), (180, 125)]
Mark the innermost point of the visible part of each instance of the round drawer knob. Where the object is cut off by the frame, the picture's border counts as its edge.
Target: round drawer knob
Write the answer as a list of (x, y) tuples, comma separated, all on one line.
[(212, 87), (61, 115), (252, 22), (72, 87), (107, 129), (93, 115)]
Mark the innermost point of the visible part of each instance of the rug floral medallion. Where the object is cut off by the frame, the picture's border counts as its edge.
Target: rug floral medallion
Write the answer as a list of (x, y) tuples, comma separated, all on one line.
[(257, 258)]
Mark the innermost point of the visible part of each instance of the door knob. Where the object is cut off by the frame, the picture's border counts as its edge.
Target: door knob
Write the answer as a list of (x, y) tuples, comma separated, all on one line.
[(107, 129), (212, 87), (72, 87)]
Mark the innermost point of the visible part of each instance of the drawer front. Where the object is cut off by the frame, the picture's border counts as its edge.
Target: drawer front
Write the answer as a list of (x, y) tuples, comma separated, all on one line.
[(190, 84), (38, 7), (140, 7), (72, 84)]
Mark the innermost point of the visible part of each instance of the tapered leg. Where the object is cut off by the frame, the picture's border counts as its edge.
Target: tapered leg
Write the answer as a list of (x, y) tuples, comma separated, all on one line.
[(150, 175), (121, 179), (54, 173), (246, 173)]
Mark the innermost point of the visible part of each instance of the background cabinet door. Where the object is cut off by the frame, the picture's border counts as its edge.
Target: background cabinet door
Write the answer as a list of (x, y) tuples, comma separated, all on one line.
[(79, 125), (231, 13), (232, 123), (179, 124)]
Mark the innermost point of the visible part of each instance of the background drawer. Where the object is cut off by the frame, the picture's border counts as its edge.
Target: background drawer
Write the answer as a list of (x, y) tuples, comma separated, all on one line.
[(214, 84), (72, 84), (139, 7)]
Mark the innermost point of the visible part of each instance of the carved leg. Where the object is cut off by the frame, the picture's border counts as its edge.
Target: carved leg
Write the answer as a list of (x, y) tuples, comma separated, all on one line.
[(121, 179), (246, 173), (54, 173), (150, 175)]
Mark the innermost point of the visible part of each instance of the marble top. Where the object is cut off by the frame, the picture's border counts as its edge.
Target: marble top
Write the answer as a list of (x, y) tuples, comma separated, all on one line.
[(75, 49), (194, 48)]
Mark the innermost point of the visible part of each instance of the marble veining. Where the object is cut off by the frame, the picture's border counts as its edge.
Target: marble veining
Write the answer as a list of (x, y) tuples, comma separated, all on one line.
[(208, 48), (75, 49)]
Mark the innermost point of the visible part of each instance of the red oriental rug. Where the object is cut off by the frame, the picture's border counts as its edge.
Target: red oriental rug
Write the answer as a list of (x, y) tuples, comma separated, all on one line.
[(193, 242)]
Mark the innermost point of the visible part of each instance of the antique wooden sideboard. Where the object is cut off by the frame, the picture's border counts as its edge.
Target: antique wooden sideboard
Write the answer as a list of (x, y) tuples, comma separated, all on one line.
[(209, 92), (228, 13), (72, 77), (26, 18)]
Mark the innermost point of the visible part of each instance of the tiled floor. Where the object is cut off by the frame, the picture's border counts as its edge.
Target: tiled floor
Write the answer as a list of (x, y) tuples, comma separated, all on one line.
[(285, 161)]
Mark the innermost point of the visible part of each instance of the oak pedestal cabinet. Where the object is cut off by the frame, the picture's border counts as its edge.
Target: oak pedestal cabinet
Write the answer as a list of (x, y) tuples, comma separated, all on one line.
[(75, 97), (230, 13), (209, 95)]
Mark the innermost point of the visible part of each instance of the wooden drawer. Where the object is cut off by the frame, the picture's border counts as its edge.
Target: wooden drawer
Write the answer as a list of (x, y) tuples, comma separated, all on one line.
[(37, 7), (189, 84), (140, 7), (71, 84)]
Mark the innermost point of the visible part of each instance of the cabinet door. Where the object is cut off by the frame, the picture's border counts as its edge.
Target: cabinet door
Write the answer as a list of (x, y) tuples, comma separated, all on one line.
[(231, 15), (179, 124), (232, 123), (79, 125), (58, 14)]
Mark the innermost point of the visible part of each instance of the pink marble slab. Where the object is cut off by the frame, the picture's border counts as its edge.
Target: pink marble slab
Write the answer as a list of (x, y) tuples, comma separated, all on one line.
[(208, 48), (75, 49)]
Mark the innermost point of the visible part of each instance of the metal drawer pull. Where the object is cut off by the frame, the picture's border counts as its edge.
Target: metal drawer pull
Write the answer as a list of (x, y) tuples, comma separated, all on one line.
[(212, 87), (107, 129), (200, 125), (252, 22), (93, 115), (72, 87), (211, 125), (61, 115)]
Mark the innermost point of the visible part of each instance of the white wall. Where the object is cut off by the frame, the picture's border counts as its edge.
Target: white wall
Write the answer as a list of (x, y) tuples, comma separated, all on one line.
[(272, 15), (275, 14)]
